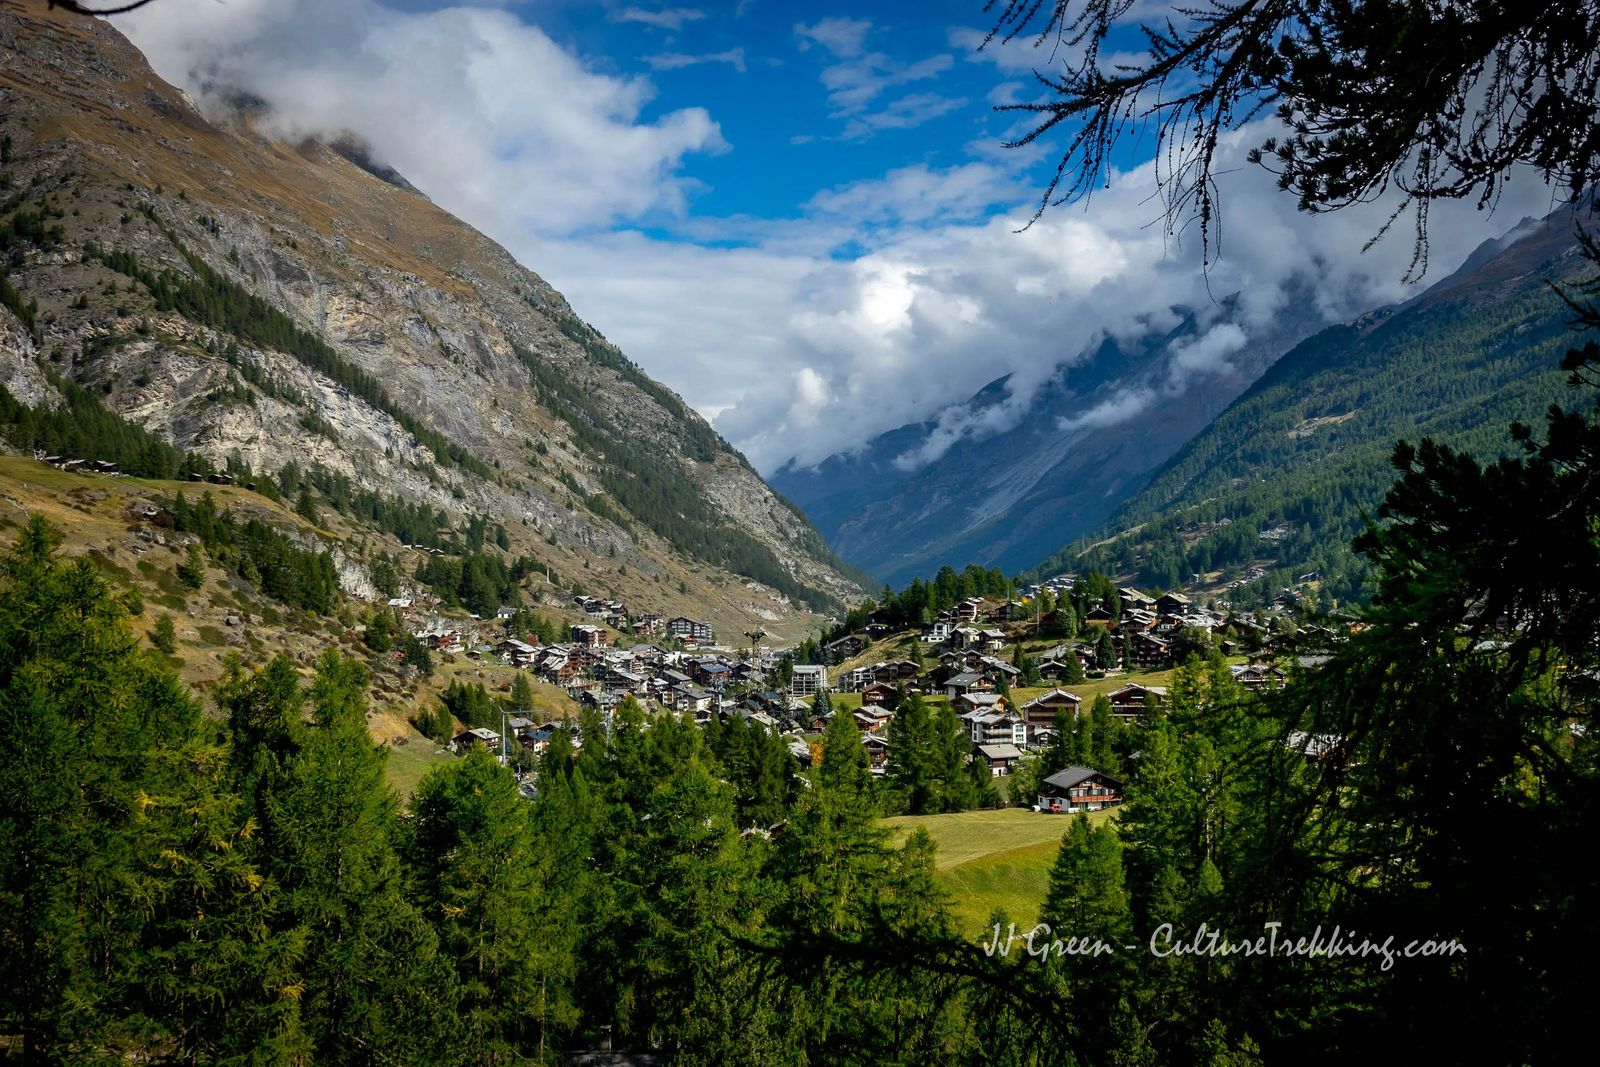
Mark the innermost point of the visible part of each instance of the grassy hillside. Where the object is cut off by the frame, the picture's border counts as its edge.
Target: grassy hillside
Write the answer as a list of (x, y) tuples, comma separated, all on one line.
[(1288, 474), (992, 859), (228, 616)]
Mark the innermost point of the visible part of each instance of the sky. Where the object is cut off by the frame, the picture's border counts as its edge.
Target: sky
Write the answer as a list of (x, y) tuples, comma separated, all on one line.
[(800, 216)]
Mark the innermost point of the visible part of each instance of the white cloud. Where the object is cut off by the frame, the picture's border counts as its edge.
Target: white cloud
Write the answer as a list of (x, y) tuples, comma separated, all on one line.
[(734, 57), (903, 114), (1208, 353), (854, 84), (474, 105), (671, 18), (857, 79), (1017, 56), (944, 298), (844, 37), (1112, 411)]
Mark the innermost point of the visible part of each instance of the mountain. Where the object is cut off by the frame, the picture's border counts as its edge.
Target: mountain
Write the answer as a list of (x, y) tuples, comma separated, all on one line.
[(1271, 493), (273, 307), (1062, 460)]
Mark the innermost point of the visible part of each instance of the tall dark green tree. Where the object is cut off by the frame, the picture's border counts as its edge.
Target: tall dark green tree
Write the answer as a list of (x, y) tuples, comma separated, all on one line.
[(478, 878), (371, 964), (130, 911)]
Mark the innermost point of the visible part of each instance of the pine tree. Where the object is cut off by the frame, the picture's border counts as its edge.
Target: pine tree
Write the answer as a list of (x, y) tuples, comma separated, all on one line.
[(1105, 651), (910, 773), (380, 631), (478, 877), (128, 901), (305, 506), (521, 695), (1101, 753), (1087, 897), (192, 571), (958, 791), (371, 964), (165, 635)]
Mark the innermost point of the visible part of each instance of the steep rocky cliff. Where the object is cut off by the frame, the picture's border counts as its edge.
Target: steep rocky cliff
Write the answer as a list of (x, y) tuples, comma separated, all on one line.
[(279, 304)]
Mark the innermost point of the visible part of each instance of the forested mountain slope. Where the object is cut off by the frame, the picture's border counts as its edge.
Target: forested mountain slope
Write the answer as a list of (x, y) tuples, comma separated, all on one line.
[(272, 307), (1275, 488)]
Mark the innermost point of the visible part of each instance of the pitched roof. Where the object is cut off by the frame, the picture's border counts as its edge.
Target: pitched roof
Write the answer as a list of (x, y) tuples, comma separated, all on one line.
[(1003, 751), (1054, 694), (1076, 775)]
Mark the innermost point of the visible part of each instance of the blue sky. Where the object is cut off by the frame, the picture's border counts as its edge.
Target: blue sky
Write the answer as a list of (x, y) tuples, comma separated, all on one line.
[(799, 216), (807, 97)]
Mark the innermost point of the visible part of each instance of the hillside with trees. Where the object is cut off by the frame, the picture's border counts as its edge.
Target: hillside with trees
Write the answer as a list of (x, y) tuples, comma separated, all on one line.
[(1273, 492)]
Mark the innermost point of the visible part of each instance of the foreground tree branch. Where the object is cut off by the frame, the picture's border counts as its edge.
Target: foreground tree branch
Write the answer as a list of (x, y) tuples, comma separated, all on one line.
[(1436, 99), (79, 9)]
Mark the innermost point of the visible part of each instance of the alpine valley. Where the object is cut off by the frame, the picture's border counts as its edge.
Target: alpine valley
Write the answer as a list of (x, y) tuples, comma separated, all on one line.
[(394, 674)]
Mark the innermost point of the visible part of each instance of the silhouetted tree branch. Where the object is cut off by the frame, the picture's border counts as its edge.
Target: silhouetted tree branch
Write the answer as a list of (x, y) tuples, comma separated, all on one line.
[(1440, 99), (79, 9)]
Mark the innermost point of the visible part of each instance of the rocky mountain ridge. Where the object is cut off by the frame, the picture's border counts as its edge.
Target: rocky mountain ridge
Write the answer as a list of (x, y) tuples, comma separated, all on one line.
[(276, 304)]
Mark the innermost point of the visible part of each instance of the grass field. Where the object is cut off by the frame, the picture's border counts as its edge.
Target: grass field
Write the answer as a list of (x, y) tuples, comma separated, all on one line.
[(1016, 880), (990, 859), (409, 762)]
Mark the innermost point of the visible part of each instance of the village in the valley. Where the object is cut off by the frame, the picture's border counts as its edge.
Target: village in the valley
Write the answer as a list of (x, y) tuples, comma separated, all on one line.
[(991, 659)]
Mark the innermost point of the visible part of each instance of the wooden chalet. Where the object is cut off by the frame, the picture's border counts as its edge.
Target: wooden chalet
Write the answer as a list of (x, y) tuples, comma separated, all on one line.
[(1079, 789), (1128, 703), (1042, 709), (878, 694), (999, 758)]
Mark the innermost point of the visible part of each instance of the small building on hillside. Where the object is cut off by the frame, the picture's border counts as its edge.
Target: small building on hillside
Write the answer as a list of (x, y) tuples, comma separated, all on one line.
[(999, 758), (690, 631), (477, 737), (879, 694), (1129, 702), (589, 636), (1100, 617), (1042, 709), (1079, 789)]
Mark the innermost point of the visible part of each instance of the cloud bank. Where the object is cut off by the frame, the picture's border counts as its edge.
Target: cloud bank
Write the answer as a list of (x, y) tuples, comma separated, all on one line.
[(485, 113)]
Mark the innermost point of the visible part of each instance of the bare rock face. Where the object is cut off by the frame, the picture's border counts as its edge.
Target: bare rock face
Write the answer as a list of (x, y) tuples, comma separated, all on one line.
[(20, 373), (559, 437)]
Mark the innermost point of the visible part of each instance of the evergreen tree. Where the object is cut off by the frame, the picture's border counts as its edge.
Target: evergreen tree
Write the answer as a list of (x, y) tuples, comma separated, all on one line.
[(305, 506), (165, 635), (1105, 651), (371, 963), (380, 630), (416, 654), (910, 772), (1087, 897), (129, 905), (957, 789), (521, 695), (821, 705), (192, 571), (1103, 755), (478, 879)]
